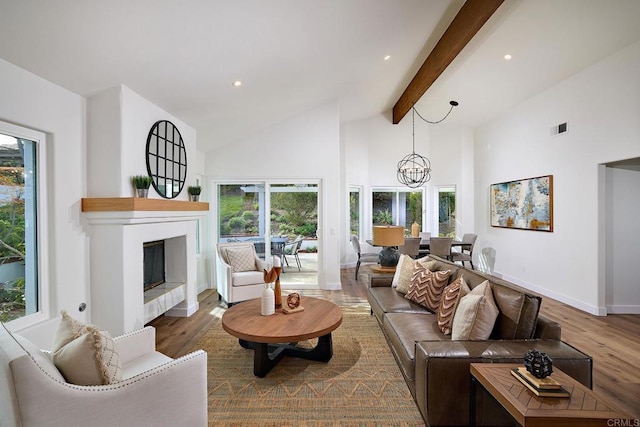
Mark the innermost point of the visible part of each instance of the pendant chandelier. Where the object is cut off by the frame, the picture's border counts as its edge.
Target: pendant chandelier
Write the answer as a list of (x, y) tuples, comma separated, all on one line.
[(414, 170)]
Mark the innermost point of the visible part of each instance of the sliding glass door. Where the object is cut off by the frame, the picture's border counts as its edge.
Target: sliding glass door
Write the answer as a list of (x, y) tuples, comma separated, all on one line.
[(279, 218)]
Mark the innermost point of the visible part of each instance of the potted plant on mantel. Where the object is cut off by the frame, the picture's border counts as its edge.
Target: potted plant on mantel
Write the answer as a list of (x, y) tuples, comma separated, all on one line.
[(194, 192), (141, 183)]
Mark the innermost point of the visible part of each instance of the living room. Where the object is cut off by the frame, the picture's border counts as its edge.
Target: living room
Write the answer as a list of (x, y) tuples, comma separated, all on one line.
[(587, 262)]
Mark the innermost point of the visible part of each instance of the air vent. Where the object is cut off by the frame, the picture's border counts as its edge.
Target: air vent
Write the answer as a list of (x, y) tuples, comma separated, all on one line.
[(561, 128)]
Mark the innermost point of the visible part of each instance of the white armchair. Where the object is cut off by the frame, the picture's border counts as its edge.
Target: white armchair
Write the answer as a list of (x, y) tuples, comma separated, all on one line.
[(155, 389), (239, 272)]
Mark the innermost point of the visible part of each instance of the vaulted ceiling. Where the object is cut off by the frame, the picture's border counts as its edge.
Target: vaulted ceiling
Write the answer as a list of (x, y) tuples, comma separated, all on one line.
[(293, 55)]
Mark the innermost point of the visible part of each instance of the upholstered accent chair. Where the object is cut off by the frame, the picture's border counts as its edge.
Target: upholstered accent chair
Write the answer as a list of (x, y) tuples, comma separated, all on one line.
[(466, 252), (155, 390), (370, 258), (239, 272)]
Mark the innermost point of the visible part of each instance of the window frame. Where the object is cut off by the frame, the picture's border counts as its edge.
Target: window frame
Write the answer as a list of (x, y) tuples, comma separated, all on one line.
[(43, 286), (397, 191)]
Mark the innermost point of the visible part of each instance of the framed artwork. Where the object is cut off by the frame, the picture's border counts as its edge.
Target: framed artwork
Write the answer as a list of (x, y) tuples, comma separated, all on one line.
[(525, 204)]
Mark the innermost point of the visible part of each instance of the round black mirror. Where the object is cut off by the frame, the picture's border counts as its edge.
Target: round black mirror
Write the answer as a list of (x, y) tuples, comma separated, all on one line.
[(166, 159)]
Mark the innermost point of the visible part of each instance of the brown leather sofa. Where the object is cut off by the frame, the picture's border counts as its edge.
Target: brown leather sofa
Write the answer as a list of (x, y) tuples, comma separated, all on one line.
[(436, 369)]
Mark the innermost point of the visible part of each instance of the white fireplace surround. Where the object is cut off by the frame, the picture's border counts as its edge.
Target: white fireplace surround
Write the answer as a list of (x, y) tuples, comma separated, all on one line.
[(116, 247)]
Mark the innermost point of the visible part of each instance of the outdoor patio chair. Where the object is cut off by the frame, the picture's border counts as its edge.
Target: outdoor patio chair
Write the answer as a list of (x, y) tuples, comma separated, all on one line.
[(293, 247)]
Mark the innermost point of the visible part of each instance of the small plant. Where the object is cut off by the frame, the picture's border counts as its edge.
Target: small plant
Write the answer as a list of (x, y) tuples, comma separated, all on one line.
[(141, 182), (194, 190), (383, 217)]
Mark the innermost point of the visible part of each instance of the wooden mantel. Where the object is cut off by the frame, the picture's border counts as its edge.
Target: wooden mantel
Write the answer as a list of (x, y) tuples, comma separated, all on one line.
[(123, 204)]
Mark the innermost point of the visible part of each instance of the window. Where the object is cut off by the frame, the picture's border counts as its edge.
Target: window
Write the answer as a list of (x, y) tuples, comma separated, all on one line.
[(355, 209), (399, 206), (447, 211), (23, 293)]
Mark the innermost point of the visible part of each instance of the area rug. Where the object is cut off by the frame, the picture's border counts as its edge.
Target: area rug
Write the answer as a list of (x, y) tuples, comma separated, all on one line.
[(361, 385)]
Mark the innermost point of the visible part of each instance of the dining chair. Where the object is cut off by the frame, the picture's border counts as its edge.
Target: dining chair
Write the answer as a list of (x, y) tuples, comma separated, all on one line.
[(411, 247), (425, 236), (466, 251), (440, 247), (362, 257)]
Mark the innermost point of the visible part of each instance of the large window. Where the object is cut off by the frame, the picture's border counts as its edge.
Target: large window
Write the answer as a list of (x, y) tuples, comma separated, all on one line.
[(397, 206), (355, 211), (447, 211), (22, 291)]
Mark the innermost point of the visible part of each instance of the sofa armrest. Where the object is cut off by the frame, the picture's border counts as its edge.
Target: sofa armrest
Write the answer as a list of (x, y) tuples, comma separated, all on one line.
[(547, 329), (174, 393), (135, 344), (380, 280), (442, 374)]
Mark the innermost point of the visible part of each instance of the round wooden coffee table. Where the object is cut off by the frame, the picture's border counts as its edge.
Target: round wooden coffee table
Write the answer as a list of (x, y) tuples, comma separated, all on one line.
[(273, 337)]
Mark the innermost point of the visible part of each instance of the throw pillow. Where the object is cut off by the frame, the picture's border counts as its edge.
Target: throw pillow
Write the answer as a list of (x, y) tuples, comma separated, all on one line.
[(241, 259), (68, 330), (475, 315), (90, 359), (449, 302), (426, 286), (404, 275), (85, 355), (396, 274)]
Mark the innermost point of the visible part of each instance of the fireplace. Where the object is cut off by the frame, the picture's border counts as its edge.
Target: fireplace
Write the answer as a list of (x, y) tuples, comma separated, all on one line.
[(153, 260)]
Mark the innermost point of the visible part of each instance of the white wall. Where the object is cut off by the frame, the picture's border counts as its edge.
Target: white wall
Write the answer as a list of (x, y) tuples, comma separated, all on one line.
[(372, 148), (119, 121), (32, 102), (623, 231), (601, 105), (303, 147)]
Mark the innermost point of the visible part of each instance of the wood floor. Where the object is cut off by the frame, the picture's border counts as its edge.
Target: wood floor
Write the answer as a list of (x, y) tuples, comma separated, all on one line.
[(613, 341)]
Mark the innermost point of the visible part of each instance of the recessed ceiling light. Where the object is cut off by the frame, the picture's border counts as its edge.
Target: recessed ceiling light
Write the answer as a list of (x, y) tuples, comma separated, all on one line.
[(507, 57), (237, 83), (388, 57)]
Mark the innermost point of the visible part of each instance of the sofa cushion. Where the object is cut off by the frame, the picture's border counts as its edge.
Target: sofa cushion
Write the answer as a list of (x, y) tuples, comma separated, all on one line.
[(476, 315), (403, 330), (241, 258), (518, 309), (246, 278), (449, 302), (386, 300), (427, 286)]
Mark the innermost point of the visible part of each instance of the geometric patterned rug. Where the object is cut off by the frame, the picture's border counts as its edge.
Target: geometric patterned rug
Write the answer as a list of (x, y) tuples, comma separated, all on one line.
[(360, 386)]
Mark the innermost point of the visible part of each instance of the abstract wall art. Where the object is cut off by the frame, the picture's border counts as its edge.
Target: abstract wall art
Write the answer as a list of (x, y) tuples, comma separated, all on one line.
[(524, 204)]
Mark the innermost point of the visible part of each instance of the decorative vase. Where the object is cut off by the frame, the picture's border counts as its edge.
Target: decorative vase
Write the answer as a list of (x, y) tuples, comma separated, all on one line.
[(277, 291), (194, 197), (142, 192), (415, 229), (267, 302)]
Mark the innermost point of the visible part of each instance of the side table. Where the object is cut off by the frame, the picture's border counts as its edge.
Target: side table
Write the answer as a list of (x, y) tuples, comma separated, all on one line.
[(584, 407)]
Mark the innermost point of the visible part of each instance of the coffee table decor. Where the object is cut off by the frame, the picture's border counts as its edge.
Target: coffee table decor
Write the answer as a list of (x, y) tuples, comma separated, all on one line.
[(267, 302), (538, 364), (293, 304)]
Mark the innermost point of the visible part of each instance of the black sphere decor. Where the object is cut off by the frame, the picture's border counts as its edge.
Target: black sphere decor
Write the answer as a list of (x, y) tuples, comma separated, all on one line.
[(538, 364)]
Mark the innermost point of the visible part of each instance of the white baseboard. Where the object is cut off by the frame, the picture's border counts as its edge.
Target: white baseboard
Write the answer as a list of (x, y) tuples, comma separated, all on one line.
[(580, 305), (183, 311), (623, 309)]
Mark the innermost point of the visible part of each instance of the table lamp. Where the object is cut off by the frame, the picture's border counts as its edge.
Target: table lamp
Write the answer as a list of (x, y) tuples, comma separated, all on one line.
[(388, 236)]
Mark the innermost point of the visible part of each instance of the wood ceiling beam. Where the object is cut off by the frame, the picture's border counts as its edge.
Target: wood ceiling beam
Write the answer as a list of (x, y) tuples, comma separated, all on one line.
[(470, 18)]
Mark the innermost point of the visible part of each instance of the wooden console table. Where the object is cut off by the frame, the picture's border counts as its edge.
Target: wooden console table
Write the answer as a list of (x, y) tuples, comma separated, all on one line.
[(584, 407)]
